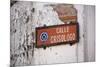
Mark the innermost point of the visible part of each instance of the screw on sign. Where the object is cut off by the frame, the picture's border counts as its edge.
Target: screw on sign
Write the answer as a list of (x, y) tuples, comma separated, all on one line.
[(57, 35)]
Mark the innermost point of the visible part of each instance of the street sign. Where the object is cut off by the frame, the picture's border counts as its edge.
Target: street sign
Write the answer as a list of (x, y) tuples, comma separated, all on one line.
[(57, 34)]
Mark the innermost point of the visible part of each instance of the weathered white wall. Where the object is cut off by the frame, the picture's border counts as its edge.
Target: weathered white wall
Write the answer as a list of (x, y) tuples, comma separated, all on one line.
[(80, 46), (21, 33), (24, 20)]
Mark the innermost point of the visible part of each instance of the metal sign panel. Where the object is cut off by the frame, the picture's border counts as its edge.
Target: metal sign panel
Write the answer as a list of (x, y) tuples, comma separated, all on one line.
[(57, 35)]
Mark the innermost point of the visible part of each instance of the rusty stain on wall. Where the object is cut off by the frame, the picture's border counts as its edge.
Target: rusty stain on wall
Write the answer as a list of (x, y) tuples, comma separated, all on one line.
[(66, 12)]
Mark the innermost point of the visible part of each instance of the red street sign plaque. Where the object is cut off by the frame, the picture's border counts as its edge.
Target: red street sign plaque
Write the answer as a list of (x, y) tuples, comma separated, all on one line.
[(57, 35)]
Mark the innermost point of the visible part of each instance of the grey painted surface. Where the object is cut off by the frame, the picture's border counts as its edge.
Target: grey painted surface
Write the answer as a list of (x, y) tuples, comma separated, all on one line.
[(89, 20)]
